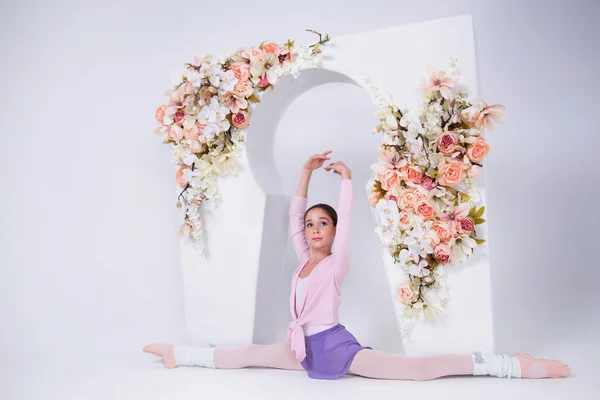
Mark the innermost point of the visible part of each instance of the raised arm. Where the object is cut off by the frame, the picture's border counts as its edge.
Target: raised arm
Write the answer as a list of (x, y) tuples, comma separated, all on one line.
[(345, 209), (298, 206)]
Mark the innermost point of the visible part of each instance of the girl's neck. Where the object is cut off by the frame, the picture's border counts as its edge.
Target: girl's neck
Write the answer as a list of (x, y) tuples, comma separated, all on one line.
[(318, 255)]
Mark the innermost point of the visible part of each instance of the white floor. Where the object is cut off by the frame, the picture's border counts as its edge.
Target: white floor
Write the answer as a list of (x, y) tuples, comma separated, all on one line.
[(145, 378)]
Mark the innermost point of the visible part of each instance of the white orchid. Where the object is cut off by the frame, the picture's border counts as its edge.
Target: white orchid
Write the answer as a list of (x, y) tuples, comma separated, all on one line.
[(409, 256), (388, 213), (228, 81), (419, 269), (385, 114), (183, 155), (194, 178)]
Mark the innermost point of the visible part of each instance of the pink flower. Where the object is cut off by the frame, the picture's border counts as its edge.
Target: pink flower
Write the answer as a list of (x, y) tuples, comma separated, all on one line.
[(271, 47), (443, 231), (233, 102), (447, 143), (185, 229), (414, 174), (425, 208), (284, 56), (407, 201), (181, 181), (440, 81), (404, 219), (160, 113), (179, 117), (427, 183), (476, 151), (193, 132), (451, 174), (465, 226), (240, 119), (452, 216), (388, 160), (443, 253), (194, 145), (241, 70), (374, 196), (264, 82), (488, 114), (404, 292), (175, 133)]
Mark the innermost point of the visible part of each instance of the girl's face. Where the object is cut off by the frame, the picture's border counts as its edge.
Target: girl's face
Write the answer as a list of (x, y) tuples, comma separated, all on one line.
[(319, 229)]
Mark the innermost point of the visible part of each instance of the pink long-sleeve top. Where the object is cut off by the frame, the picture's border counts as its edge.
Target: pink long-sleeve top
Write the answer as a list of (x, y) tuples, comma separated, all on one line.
[(322, 300)]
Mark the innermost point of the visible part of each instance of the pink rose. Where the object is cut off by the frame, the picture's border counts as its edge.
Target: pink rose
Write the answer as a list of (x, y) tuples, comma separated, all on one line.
[(433, 238), (414, 175), (193, 132), (264, 82), (271, 47), (404, 292), (425, 209), (390, 196), (443, 253), (478, 150), (446, 143), (443, 231), (179, 176), (194, 145), (160, 113), (451, 174), (284, 56), (240, 119), (389, 179), (243, 89), (407, 201), (206, 93), (427, 183), (419, 193), (241, 71), (180, 116), (465, 226)]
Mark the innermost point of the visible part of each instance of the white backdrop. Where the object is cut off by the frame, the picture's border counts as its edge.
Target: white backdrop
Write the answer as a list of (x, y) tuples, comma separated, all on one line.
[(89, 263)]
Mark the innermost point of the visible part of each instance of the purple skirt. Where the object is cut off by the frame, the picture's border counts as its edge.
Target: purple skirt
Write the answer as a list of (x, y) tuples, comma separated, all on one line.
[(329, 354)]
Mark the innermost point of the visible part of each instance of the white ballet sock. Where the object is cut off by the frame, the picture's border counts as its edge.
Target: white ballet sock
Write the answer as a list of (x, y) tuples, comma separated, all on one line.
[(194, 356), (502, 366)]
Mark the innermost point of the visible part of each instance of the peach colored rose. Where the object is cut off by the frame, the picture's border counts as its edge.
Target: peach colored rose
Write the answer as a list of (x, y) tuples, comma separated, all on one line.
[(443, 231), (414, 174), (374, 197), (425, 209), (192, 133), (478, 150), (179, 176), (243, 89), (433, 238), (194, 145), (443, 253), (404, 292), (271, 47), (446, 143), (465, 226), (404, 219), (473, 171), (451, 174), (419, 194), (240, 119), (241, 71), (389, 179), (407, 201), (160, 113)]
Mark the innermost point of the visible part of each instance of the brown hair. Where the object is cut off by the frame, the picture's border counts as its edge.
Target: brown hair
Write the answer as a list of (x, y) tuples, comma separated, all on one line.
[(328, 210)]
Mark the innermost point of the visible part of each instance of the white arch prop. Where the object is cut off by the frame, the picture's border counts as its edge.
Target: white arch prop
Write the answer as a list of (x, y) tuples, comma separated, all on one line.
[(223, 291)]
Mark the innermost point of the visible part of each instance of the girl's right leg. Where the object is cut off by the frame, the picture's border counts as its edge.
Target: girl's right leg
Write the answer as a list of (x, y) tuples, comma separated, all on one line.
[(278, 356)]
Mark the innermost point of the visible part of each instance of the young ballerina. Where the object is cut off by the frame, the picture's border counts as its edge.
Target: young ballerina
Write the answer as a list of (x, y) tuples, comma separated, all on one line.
[(315, 340)]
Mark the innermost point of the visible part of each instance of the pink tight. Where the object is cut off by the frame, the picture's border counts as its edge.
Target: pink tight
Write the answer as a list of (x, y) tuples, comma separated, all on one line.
[(367, 363)]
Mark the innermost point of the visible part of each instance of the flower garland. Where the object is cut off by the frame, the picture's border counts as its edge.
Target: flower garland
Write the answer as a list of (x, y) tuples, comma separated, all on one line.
[(208, 112), (424, 193)]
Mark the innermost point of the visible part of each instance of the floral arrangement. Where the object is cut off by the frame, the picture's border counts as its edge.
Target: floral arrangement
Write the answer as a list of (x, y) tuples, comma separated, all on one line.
[(207, 114), (424, 193)]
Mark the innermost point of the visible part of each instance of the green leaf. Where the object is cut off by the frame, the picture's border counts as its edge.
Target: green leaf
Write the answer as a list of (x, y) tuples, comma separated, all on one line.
[(479, 221), (479, 212), (479, 241), (253, 99)]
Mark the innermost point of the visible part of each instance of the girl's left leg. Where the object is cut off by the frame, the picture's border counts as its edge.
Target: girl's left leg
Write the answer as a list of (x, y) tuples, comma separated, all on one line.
[(375, 364)]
